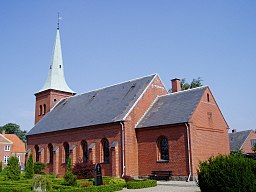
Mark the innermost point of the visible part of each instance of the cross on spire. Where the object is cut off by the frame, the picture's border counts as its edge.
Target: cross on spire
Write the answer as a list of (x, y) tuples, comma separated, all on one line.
[(58, 24)]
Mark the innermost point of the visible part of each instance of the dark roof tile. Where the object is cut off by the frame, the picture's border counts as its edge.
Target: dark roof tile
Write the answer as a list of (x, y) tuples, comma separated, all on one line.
[(106, 105), (237, 139), (173, 108)]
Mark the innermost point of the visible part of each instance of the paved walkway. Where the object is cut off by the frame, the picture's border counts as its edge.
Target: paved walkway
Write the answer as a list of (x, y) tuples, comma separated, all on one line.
[(170, 186)]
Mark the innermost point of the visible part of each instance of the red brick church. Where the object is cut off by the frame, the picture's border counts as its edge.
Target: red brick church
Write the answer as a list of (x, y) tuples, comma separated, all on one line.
[(131, 128)]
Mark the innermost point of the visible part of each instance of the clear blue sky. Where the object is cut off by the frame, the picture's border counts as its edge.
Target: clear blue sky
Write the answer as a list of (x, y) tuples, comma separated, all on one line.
[(107, 42)]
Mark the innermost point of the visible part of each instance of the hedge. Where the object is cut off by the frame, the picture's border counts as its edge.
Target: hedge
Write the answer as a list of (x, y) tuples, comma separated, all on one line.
[(105, 188), (227, 173), (139, 184)]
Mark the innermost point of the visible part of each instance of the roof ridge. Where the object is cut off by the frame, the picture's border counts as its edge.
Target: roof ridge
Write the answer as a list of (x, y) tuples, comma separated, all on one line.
[(7, 138), (155, 74), (184, 91)]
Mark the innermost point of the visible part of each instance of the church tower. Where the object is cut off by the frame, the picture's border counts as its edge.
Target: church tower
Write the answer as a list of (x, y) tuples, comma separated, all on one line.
[(55, 87)]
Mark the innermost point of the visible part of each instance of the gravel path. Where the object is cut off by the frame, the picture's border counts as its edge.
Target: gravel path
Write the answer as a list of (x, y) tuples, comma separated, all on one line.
[(170, 186)]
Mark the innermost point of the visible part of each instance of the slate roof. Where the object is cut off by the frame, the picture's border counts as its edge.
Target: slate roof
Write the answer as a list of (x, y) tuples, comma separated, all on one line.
[(237, 139), (173, 108), (106, 105)]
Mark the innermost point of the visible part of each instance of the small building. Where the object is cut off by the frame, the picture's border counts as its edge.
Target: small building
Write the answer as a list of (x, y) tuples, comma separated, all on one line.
[(243, 141), (11, 145), (131, 128)]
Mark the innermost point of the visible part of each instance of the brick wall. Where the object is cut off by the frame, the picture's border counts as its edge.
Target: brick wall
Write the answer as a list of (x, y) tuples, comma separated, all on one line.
[(49, 98), (246, 147), (208, 131), (91, 134), (148, 152), (131, 147)]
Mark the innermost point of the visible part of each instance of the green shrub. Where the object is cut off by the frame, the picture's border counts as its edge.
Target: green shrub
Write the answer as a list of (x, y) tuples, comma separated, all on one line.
[(29, 170), (232, 173), (69, 177), (39, 167), (42, 182), (139, 184), (117, 181), (13, 169)]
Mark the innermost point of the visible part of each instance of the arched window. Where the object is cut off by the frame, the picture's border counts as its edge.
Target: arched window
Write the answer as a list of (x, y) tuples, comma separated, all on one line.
[(44, 110), (66, 151), (37, 153), (163, 148), (85, 150), (40, 110), (105, 150), (50, 149)]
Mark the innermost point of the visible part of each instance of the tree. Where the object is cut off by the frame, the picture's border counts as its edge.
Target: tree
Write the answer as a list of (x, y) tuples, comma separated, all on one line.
[(12, 128), (185, 85), (13, 169), (69, 177), (29, 170)]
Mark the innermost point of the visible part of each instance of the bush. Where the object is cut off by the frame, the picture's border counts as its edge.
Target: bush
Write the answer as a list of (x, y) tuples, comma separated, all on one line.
[(117, 181), (127, 178), (83, 170), (13, 169), (39, 167), (42, 182), (139, 184), (227, 174), (69, 177), (29, 170)]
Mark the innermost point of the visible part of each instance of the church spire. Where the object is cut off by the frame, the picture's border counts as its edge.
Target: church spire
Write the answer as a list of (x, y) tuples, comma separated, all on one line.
[(56, 79)]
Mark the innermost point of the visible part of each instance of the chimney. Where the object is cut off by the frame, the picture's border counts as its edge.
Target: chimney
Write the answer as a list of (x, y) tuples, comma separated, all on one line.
[(3, 132), (233, 130), (176, 85)]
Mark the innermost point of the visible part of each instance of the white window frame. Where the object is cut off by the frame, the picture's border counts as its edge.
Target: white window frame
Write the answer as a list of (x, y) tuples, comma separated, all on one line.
[(6, 159), (7, 148), (18, 158)]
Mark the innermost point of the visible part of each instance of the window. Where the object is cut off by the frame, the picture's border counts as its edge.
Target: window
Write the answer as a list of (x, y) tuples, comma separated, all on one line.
[(85, 150), (18, 158), (66, 152), (253, 142), (105, 150), (163, 149), (6, 159), (50, 149), (208, 97), (44, 110), (37, 153), (7, 148), (40, 110)]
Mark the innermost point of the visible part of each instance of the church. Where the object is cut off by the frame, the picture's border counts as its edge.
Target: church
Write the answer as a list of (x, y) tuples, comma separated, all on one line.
[(130, 128)]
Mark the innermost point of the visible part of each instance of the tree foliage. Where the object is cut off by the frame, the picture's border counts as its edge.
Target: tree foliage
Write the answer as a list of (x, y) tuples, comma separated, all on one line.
[(39, 167), (69, 177), (186, 85), (13, 169), (29, 170), (83, 170), (227, 173), (12, 128)]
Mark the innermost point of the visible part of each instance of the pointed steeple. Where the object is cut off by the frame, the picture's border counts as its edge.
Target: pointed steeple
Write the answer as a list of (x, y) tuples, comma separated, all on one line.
[(56, 79)]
